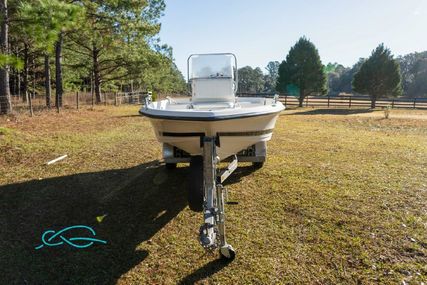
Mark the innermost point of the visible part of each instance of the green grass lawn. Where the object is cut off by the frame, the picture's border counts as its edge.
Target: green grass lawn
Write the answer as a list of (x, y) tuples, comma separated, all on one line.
[(341, 199)]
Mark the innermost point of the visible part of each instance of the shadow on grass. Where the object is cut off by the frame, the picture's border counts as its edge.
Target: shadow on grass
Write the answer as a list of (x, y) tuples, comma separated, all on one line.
[(205, 271), (239, 173), (331, 112), (137, 202)]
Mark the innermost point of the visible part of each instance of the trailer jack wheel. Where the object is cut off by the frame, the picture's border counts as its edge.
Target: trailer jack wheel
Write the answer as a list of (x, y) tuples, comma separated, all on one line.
[(227, 252)]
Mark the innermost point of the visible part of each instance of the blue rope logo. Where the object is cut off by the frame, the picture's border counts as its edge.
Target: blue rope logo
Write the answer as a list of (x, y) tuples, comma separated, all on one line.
[(60, 239)]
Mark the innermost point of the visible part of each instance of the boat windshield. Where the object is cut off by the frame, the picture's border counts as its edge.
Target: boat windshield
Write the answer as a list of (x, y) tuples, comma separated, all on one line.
[(212, 66)]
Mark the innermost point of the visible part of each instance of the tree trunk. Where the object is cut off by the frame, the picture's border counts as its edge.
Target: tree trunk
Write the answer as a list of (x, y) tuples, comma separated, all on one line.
[(34, 79), (301, 98), (97, 79), (18, 84), (58, 72), (30, 104), (12, 81), (373, 102), (91, 89), (26, 70), (47, 79), (5, 102)]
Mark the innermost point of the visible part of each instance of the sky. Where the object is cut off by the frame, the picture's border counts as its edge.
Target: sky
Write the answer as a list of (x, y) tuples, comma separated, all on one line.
[(262, 31)]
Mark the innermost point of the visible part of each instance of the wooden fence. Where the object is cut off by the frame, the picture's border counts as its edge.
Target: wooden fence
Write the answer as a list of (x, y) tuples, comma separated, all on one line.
[(345, 101), (79, 99)]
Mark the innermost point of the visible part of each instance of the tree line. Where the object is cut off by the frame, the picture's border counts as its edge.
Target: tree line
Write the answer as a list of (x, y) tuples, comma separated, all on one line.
[(413, 68), (302, 74), (82, 45)]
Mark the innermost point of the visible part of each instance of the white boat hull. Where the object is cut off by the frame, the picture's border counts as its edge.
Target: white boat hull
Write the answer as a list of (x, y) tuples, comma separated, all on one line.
[(234, 135)]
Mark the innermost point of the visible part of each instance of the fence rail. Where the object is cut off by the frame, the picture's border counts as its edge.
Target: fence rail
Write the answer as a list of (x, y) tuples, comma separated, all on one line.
[(79, 99), (345, 101)]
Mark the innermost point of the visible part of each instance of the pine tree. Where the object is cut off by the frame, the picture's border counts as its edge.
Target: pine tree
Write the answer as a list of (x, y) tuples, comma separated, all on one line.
[(251, 80), (117, 37), (302, 73), (5, 102), (41, 24), (379, 76)]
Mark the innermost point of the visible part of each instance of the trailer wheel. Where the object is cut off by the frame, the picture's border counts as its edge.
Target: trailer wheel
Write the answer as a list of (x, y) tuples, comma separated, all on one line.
[(170, 166), (195, 190), (258, 165)]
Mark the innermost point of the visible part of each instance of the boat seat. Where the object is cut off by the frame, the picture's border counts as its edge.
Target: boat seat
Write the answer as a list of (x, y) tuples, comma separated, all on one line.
[(212, 90)]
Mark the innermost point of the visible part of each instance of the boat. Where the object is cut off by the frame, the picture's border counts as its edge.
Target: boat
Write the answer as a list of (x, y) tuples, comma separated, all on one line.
[(211, 126)]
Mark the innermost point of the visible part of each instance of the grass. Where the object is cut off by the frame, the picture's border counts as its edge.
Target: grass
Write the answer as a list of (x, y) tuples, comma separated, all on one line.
[(342, 199)]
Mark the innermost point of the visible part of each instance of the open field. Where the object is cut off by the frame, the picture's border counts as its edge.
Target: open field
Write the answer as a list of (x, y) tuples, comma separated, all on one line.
[(341, 199)]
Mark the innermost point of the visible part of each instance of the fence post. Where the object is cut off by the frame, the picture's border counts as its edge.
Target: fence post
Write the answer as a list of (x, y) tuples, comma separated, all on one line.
[(415, 102), (77, 99), (105, 99), (306, 101), (349, 102), (392, 103), (115, 98), (286, 100), (329, 98)]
